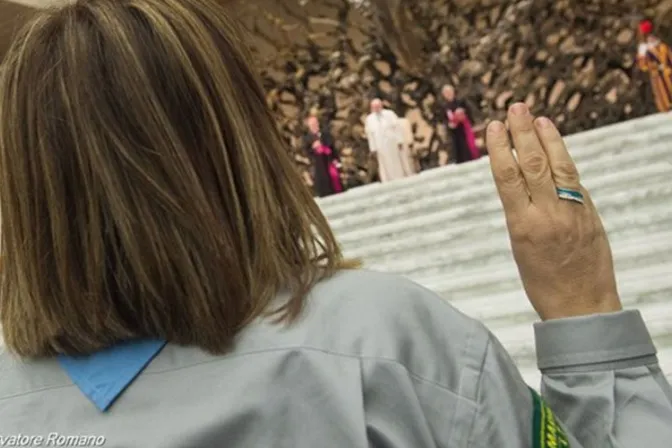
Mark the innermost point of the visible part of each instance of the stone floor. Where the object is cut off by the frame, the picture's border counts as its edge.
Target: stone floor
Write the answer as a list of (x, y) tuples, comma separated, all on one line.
[(444, 229)]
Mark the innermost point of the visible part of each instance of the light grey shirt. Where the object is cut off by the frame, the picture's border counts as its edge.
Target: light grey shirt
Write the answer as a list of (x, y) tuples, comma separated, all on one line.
[(375, 361)]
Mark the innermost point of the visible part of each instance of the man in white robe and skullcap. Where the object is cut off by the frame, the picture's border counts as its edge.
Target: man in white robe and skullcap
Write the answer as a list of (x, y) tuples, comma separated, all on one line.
[(386, 139)]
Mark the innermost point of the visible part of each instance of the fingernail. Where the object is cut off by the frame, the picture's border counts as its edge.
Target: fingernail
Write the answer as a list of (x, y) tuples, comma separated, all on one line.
[(496, 127), (543, 122), (519, 109)]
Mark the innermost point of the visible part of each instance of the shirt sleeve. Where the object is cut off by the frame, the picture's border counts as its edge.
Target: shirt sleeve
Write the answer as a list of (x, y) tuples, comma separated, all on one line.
[(601, 387)]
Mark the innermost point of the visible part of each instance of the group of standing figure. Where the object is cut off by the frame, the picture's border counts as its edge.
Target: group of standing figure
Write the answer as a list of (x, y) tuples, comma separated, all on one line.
[(391, 139)]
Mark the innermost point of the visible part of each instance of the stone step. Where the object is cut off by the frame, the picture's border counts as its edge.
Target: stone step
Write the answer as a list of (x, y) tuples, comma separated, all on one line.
[(464, 261), (470, 243), (492, 233), (445, 229), (492, 251), (624, 137), (505, 308), (651, 216), (439, 195), (504, 278), (477, 209)]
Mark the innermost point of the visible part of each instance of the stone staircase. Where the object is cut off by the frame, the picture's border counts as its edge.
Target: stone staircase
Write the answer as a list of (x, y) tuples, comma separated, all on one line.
[(444, 228)]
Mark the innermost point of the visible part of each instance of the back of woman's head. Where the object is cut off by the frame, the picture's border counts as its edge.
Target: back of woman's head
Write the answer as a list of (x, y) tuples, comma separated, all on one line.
[(144, 189)]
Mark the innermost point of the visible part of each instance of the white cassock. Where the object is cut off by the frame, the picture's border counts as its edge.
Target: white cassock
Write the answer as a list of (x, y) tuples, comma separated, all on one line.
[(386, 139)]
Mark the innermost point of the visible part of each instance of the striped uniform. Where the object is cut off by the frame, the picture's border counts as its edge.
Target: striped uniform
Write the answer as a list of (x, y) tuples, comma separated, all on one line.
[(658, 63)]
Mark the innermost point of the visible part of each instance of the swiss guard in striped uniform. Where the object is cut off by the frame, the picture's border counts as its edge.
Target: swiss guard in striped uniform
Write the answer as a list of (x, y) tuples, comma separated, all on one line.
[(655, 58)]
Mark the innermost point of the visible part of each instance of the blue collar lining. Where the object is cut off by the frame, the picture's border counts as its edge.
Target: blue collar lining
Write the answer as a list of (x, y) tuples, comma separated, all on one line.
[(103, 376)]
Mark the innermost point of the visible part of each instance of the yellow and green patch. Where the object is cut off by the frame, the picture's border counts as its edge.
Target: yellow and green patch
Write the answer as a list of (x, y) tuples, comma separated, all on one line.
[(546, 430)]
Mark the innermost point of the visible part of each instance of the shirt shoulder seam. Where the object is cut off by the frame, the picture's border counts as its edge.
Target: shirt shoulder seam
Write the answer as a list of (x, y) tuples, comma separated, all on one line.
[(396, 362)]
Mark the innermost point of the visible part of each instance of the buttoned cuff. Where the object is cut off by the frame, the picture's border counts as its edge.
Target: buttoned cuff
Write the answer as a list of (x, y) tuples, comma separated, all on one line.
[(597, 342)]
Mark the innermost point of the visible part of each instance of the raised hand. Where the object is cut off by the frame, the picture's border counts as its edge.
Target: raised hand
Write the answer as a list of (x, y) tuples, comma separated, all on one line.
[(557, 236)]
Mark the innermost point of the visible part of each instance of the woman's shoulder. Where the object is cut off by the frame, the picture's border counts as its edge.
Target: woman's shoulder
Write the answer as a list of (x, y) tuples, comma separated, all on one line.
[(372, 314), (383, 294), (372, 289)]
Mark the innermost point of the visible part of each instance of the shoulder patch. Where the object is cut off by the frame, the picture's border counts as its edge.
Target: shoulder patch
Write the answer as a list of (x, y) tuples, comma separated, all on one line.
[(546, 430)]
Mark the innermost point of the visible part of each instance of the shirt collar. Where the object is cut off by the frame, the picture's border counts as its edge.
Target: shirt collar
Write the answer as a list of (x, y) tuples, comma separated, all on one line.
[(103, 376)]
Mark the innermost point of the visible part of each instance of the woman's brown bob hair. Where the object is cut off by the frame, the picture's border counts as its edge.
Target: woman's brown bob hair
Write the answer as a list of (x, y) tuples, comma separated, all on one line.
[(145, 191)]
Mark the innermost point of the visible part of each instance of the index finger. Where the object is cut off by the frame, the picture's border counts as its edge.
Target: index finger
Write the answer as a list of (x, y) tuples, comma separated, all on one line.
[(505, 170)]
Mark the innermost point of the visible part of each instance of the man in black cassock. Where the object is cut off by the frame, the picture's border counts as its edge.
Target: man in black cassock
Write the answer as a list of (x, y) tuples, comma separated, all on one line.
[(459, 119), (318, 144)]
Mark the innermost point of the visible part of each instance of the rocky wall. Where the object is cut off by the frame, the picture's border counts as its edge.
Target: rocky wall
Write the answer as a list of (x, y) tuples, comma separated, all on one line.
[(572, 60)]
